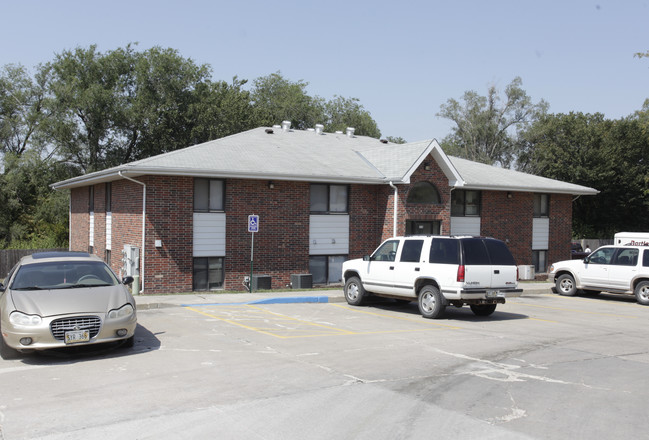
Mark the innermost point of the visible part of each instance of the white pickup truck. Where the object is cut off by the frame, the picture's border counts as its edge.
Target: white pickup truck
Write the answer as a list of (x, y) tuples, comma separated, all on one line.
[(435, 271)]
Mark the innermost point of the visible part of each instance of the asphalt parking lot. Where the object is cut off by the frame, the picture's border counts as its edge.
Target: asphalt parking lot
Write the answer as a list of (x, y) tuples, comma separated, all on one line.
[(257, 367)]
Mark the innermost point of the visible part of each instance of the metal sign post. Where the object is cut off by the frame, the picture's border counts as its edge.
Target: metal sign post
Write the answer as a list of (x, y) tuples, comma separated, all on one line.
[(253, 226)]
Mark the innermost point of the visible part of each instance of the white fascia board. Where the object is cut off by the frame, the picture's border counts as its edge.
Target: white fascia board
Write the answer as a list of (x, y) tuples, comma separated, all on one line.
[(113, 174), (583, 192)]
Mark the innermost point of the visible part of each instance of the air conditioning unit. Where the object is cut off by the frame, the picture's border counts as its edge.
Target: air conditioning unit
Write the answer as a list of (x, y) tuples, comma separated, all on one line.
[(302, 281), (261, 282), (526, 272)]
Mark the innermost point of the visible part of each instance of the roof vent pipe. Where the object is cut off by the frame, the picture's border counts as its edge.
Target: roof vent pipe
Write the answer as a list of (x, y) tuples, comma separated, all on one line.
[(286, 125), (350, 132), (319, 128)]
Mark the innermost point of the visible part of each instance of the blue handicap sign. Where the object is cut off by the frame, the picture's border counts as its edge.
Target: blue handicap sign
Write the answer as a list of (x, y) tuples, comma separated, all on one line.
[(253, 223)]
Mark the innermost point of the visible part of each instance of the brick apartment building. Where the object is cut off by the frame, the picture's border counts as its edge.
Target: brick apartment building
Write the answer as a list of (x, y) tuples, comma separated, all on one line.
[(321, 198)]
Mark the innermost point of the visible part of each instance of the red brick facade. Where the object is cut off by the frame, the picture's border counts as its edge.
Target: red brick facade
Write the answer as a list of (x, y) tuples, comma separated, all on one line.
[(282, 243)]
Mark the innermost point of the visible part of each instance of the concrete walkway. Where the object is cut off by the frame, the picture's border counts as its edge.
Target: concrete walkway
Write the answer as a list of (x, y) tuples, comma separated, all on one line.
[(145, 302)]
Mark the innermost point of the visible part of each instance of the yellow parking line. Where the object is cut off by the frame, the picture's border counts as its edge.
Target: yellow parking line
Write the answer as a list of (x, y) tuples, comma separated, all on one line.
[(578, 311), (326, 330), (418, 320)]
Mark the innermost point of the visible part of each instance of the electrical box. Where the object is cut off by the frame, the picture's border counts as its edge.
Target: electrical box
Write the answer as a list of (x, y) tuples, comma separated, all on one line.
[(131, 260)]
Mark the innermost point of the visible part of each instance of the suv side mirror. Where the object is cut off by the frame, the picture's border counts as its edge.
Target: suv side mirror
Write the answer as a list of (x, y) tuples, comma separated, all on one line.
[(366, 258), (128, 280), (2, 287)]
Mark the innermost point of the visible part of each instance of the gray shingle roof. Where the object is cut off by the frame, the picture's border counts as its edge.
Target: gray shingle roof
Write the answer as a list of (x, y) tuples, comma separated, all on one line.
[(263, 153)]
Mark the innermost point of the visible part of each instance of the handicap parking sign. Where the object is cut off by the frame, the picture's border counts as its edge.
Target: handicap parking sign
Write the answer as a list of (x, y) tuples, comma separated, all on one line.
[(253, 223)]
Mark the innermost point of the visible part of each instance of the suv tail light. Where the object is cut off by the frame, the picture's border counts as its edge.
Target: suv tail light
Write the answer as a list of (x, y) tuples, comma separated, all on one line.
[(517, 276), (460, 273)]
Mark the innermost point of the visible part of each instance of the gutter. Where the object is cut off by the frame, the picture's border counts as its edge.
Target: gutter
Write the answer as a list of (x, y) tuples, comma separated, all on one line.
[(394, 215), (142, 254)]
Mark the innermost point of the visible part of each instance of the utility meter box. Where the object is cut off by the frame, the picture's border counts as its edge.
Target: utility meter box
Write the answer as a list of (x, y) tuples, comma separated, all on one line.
[(131, 260)]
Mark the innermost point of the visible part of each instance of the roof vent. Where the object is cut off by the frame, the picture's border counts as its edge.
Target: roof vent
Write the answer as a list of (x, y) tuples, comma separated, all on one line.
[(319, 128), (350, 132), (286, 125)]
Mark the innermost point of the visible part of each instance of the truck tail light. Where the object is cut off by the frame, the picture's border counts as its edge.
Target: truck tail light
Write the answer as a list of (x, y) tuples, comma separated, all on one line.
[(460, 274)]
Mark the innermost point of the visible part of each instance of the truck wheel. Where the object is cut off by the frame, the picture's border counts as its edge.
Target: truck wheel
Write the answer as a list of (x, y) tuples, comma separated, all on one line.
[(642, 293), (483, 309), (431, 302), (354, 292), (566, 285)]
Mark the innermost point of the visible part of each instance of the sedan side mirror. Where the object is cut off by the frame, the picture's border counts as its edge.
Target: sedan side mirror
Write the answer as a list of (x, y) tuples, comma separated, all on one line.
[(128, 280)]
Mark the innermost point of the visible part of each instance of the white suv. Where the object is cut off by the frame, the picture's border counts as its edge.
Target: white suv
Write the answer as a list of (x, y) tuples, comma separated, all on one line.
[(616, 269), (436, 271)]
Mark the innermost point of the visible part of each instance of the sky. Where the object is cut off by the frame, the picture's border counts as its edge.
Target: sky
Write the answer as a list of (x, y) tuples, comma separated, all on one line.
[(401, 59)]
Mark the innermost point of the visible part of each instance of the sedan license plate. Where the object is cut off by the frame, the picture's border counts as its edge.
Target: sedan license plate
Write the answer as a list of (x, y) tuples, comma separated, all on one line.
[(495, 294), (76, 336)]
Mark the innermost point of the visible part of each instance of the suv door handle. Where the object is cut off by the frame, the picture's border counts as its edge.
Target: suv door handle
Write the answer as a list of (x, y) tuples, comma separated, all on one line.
[(417, 269), (391, 267), (496, 272)]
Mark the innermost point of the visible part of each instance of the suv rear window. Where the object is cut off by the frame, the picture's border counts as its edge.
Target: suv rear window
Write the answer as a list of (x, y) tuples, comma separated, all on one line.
[(444, 251), (499, 253), (484, 252)]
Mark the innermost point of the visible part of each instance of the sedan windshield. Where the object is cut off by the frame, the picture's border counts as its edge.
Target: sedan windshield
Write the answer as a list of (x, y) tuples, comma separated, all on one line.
[(63, 275)]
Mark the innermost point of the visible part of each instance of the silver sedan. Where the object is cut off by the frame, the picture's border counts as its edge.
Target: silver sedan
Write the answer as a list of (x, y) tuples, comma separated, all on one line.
[(60, 299)]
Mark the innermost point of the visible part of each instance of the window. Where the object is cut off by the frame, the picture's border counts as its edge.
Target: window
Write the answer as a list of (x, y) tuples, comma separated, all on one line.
[(107, 256), (208, 273), (601, 256), (499, 253), (387, 251), (645, 258), (444, 251), (540, 260), (109, 195), (475, 252), (627, 257), (465, 203), (423, 192), (329, 198), (541, 205), (411, 252), (423, 227), (209, 195), (91, 199), (326, 269)]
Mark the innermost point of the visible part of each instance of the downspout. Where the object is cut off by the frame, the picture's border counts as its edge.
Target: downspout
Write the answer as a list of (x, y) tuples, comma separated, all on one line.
[(143, 226), (394, 215)]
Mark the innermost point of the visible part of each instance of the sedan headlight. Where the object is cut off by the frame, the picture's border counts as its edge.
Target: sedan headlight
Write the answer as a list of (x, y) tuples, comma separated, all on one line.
[(21, 319), (122, 312)]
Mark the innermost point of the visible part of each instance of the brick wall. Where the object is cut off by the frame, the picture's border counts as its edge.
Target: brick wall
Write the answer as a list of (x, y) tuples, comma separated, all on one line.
[(282, 243)]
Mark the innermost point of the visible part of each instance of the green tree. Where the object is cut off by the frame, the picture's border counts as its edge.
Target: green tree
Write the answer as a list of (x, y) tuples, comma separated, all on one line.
[(341, 113), (487, 127), (610, 156), (21, 109), (276, 99)]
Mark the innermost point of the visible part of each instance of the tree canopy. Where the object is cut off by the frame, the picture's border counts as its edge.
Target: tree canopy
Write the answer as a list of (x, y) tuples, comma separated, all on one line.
[(87, 110), (487, 127)]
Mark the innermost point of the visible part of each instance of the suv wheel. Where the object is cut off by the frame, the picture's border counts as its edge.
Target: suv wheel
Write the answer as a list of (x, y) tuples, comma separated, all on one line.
[(354, 291), (483, 309), (431, 303), (642, 293), (566, 285)]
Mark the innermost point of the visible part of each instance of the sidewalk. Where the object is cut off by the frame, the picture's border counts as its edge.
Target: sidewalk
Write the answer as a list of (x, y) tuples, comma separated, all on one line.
[(147, 302)]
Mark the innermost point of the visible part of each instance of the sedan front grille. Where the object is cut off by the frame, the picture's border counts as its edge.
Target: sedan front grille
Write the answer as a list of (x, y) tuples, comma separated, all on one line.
[(60, 326)]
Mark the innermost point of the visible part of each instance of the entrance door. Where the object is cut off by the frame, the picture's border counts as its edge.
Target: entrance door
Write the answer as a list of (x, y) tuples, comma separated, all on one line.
[(423, 227)]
